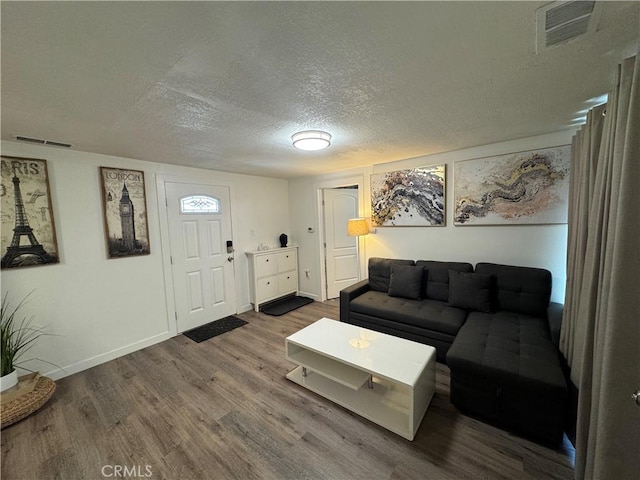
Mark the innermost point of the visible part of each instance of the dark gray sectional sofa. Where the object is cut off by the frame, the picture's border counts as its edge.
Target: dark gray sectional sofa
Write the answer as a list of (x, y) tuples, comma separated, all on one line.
[(424, 316), (493, 326)]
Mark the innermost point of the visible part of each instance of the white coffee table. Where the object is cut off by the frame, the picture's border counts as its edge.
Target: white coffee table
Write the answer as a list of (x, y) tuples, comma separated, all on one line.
[(385, 379)]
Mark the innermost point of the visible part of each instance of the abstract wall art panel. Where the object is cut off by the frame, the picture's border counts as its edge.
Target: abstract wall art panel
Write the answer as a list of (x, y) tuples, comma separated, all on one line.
[(519, 188), (410, 198)]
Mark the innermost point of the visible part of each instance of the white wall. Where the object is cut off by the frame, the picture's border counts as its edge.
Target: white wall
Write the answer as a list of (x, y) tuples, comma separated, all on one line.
[(100, 309), (541, 246)]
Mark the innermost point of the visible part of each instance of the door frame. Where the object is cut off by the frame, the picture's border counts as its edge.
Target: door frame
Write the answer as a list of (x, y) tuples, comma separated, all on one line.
[(165, 245), (330, 184)]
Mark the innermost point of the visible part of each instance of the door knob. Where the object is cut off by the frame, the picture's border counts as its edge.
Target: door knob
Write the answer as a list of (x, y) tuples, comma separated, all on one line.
[(636, 397), (230, 258)]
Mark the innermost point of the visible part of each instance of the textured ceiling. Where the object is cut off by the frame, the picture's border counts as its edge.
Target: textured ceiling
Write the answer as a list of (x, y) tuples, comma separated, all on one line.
[(224, 85)]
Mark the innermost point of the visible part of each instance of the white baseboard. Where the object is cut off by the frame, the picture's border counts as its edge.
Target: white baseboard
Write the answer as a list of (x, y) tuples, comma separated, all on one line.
[(68, 370), (106, 357), (310, 295), (245, 308)]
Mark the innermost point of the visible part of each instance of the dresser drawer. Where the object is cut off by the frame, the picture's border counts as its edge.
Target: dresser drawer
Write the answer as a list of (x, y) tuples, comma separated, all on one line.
[(287, 261), (267, 288), (288, 282), (266, 265)]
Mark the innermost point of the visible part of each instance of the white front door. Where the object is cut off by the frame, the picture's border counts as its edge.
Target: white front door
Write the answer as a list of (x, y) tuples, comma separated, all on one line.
[(341, 252), (199, 219)]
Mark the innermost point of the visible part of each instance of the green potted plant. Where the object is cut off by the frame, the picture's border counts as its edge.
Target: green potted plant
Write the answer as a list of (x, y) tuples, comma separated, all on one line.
[(18, 336)]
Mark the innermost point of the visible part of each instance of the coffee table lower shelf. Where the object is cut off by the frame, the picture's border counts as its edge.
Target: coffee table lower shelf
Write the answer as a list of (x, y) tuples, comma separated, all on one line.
[(380, 401)]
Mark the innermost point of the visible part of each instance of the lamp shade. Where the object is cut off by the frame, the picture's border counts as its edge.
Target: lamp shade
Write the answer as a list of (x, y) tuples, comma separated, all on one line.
[(357, 227)]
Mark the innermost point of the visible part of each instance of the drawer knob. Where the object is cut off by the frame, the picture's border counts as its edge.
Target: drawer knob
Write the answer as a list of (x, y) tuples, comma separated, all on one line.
[(267, 260)]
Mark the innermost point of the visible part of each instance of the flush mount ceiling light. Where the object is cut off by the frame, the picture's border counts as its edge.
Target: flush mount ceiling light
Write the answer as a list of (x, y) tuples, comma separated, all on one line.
[(311, 140)]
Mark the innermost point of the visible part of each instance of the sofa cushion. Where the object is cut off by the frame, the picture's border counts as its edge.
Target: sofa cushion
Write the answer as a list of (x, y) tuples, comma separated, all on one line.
[(437, 284), (471, 291), (380, 272), (508, 348), (523, 290), (406, 281), (429, 314)]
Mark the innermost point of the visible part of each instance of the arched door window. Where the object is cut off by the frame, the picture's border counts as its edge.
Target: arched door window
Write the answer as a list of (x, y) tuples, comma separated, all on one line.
[(199, 204)]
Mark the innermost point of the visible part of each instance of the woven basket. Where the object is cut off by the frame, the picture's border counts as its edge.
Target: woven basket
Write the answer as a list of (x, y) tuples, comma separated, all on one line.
[(31, 393)]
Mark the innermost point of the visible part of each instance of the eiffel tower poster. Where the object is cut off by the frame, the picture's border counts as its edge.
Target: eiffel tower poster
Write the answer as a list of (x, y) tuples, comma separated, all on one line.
[(28, 234)]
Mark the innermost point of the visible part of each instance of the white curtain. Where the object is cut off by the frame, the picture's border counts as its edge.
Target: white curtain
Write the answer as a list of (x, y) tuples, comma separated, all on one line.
[(585, 149), (600, 336)]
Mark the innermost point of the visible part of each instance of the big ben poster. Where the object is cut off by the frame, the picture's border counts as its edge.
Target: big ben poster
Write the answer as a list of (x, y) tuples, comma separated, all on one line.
[(125, 212)]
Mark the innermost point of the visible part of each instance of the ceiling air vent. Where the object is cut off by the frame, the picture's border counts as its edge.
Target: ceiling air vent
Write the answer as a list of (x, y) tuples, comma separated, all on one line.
[(40, 141), (560, 22)]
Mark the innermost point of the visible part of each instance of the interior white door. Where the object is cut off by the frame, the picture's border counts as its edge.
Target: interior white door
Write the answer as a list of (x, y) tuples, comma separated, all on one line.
[(341, 250), (199, 219)]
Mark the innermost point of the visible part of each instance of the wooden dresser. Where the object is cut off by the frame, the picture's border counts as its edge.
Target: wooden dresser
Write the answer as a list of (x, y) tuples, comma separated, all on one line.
[(272, 274)]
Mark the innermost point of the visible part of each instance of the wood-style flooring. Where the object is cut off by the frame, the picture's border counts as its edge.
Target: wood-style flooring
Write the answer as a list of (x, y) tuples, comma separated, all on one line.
[(224, 409)]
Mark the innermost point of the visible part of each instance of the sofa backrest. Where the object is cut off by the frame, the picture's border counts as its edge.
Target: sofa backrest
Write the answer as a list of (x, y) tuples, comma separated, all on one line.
[(523, 290), (380, 272), (437, 275)]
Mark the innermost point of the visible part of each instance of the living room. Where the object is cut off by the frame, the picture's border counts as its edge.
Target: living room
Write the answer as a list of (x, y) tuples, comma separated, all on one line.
[(101, 309)]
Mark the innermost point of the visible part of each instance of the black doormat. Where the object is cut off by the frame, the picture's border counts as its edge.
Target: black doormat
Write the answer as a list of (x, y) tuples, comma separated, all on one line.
[(209, 330), (280, 307)]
